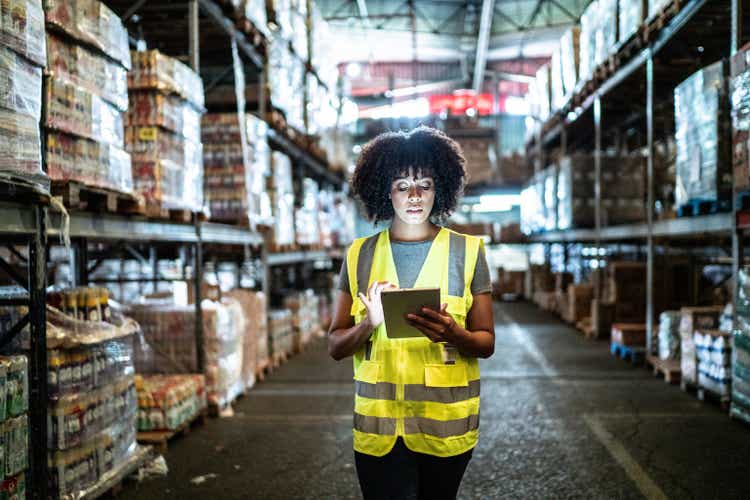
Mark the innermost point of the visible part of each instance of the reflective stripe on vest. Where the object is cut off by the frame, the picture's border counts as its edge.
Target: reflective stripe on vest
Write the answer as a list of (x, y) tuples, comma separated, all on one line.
[(386, 426), (418, 392)]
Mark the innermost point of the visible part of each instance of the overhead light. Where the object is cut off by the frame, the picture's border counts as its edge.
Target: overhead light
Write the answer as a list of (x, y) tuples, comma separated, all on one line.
[(357, 149), (497, 203), (353, 70)]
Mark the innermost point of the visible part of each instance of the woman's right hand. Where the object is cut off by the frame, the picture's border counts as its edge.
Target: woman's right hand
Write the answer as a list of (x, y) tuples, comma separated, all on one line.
[(373, 303)]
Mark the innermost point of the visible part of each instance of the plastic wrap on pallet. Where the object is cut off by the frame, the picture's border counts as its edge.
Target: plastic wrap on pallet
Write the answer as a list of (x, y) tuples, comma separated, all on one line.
[(606, 35), (590, 20), (86, 69), (73, 471), (702, 151), (75, 110), (167, 168), (307, 228), (322, 43), (531, 207), (543, 87), (255, 12), (20, 149), (556, 81), (21, 85), (740, 102), (167, 111), (570, 59), (280, 332), (631, 14), (693, 319), (166, 402), (656, 6), (91, 22), (22, 29), (71, 158), (669, 335), (16, 445), (253, 309), (305, 318), (169, 344), (154, 70)]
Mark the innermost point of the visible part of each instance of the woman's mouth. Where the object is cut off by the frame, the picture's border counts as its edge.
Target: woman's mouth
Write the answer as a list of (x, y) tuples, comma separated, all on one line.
[(414, 210)]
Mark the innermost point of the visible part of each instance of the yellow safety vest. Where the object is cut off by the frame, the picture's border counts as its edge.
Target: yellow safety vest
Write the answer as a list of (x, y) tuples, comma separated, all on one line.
[(425, 392)]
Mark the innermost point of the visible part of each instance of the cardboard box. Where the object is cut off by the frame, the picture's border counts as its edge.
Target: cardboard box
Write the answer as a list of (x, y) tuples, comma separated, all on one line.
[(692, 319), (629, 334), (578, 302)]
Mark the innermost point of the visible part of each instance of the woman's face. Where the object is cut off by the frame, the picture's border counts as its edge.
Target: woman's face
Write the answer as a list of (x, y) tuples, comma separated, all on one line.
[(412, 197)]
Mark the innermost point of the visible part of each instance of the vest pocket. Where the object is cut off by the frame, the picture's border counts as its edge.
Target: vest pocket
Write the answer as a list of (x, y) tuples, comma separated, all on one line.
[(445, 375), (457, 309), (367, 372)]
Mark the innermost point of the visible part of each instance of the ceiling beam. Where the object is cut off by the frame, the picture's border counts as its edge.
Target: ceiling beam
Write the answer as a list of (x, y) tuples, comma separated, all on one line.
[(565, 11), (485, 28)]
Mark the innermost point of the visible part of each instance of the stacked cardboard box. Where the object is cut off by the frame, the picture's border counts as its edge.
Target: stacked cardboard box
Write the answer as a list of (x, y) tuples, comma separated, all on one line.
[(22, 57), (305, 320), (280, 332), (629, 334), (694, 319), (163, 133), (508, 283), (281, 192), (86, 96), (480, 151), (702, 124), (578, 302), (235, 175)]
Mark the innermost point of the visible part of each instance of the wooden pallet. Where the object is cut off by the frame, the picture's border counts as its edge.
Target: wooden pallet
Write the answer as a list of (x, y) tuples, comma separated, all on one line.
[(160, 439), (703, 206), (279, 359), (705, 394), (669, 369), (288, 247), (263, 370), (628, 48), (79, 196), (656, 23), (155, 210), (634, 355), (585, 327)]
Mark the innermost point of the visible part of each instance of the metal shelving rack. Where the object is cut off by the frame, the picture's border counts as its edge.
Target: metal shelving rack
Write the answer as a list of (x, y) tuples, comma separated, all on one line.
[(25, 222), (706, 30)]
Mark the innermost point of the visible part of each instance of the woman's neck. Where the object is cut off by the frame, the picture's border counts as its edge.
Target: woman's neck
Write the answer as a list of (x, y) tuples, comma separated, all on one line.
[(401, 231)]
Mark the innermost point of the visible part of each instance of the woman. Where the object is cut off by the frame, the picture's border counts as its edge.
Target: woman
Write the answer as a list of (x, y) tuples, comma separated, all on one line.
[(416, 412)]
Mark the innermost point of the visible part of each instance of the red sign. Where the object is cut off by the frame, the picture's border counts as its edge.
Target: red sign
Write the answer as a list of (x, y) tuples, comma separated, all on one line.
[(460, 102)]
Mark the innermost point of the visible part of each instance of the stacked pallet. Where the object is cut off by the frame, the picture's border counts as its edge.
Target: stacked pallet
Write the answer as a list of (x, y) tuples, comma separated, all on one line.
[(163, 133), (86, 96)]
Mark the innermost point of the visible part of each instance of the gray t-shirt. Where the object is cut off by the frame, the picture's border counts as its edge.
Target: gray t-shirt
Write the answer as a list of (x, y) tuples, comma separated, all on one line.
[(409, 258)]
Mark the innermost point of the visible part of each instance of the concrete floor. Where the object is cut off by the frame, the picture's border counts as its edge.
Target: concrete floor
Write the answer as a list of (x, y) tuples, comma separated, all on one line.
[(561, 418)]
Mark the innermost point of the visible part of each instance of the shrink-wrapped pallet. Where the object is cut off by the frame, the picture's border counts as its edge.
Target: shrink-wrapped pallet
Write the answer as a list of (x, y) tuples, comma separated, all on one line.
[(281, 333), (606, 36), (589, 27), (543, 87), (22, 29), (631, 14), (694, 319), (656, 6), (702, 136), (168, 402), (556, 81), (739, 88), (153, 70), (255, 343), (570, 59), (669, 335)]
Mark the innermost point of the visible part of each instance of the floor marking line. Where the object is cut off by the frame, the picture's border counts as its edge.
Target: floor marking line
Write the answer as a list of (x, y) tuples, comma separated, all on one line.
[(528, 344), (635, 472)]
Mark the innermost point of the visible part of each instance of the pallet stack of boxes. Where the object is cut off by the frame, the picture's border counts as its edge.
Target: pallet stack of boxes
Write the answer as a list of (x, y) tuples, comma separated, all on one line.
[(169, 402), (235, 175), (22, 57), (169, 347), (739, 88), (631, 14), (703, 180), (694, 319), (281, 333), (305, 320), (669, 335), (14, 425), (255, 342), (281, 192), (163, 132), (86, 95), (740, 407), (306, 217), (92, 398)]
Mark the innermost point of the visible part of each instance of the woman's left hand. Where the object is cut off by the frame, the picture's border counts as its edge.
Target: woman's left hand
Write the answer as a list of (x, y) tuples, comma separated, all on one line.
[(437, 326)]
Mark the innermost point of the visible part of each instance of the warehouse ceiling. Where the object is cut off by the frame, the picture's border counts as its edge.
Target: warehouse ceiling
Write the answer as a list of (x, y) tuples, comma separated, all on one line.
[(445, 30)]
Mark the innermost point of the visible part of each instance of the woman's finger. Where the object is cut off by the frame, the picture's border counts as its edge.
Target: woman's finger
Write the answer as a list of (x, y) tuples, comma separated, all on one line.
[(437, 327), (428, 333), (364, 299), (431, 313)]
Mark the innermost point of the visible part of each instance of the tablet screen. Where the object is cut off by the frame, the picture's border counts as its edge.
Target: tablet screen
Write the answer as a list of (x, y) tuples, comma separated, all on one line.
[(398, 303)]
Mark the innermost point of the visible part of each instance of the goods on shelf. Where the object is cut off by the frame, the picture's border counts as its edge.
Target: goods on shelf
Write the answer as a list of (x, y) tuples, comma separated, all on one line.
[(694, 319), (631, 14), (153, 70), (167, 402), (255, 12), (606, 36), (480, 151), (622, 192), (20, 148), (286, 81), (556, 81), (20, 88), (163, 133), (589, 26), (22, 29), (655, 6), (701, 125), (544, 91), (713, 349), (86, 69), (539, 279), (255, 340), (669, 335), (14, 426), (570, 59), (532, 205), (305, 319), (624, 286), (740, 101), (91, 22), (282, 199), (306, 218), (169, 335), (280, 332), (508, 282), (235, 187)]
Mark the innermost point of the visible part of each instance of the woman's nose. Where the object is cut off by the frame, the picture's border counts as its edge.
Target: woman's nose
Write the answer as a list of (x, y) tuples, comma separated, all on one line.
[(414, 193)]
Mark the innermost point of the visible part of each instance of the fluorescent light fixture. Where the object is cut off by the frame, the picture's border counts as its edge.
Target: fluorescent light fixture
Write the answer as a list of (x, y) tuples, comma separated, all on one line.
[(516, 106), (353, 70), (497, 203)]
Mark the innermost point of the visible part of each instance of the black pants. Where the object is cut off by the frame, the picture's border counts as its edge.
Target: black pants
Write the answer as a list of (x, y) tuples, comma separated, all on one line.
[(405, 474)]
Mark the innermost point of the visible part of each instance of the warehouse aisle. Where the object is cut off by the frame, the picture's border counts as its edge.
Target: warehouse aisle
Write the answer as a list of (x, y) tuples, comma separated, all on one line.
[(560, 418)]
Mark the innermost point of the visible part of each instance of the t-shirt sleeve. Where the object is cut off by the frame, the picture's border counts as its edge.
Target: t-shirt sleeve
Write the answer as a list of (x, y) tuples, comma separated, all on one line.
[(344, 278), (481, 282)]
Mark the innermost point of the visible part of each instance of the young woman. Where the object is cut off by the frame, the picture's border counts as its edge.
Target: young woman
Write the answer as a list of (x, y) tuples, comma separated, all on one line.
[(416, 411)]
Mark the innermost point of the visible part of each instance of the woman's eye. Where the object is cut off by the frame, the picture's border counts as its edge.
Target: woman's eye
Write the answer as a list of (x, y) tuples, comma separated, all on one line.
[(402, 187), (426, 187)]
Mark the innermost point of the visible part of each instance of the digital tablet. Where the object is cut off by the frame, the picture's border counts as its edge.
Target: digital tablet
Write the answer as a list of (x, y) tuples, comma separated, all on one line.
[(398, 303)]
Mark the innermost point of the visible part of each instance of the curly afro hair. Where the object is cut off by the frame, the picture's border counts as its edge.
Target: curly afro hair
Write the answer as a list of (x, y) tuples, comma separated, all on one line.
[(429, 152)]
